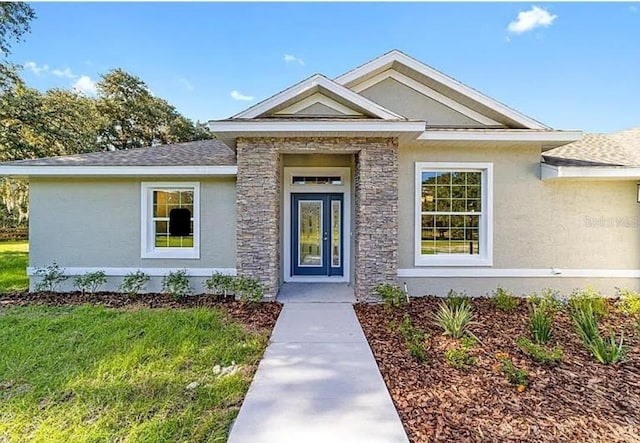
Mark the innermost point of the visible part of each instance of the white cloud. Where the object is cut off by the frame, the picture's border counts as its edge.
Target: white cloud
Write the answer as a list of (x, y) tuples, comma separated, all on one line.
[(634, 9), (66, 72), (85, 85), (187, 84), (288, 58), (33, 67), (237, 95), (534, 18)]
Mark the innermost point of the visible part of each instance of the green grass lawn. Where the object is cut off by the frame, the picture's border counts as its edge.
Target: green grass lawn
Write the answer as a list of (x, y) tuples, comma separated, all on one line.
[(96, 374), (14, 257)]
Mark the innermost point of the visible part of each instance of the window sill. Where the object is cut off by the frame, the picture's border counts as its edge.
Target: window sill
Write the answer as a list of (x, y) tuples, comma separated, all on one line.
[(453, 261), (190, 253)]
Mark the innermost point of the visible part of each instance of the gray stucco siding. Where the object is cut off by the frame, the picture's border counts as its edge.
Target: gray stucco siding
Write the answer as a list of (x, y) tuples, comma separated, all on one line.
[(97, 223)]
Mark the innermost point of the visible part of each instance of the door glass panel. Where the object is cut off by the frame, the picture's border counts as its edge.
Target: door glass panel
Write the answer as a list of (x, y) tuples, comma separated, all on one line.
[(310, 233), (335, 233)]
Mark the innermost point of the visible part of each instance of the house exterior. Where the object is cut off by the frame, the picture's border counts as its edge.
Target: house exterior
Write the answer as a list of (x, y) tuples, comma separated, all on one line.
[(392, 172)]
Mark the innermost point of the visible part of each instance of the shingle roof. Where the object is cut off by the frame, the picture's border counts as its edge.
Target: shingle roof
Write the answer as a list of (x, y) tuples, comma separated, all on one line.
[(198, 153), (619, 149)]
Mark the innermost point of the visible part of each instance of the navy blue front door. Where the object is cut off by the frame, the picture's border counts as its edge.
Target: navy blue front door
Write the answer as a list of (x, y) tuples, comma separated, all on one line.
[(316, 234)]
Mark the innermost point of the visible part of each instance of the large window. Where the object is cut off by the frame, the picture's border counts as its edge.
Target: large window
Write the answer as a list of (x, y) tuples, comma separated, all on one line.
[(170, 220), (453, 214)]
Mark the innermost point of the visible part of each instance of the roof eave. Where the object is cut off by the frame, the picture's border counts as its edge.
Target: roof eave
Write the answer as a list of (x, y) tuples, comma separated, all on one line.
[(552, 172), (549, 139), (116, 171)]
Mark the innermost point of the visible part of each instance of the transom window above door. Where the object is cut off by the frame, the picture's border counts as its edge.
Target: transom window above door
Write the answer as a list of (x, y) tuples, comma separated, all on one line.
[(453, 214)]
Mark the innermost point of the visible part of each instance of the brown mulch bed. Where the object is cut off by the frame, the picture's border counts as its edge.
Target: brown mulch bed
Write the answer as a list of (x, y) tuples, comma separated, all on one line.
[(577, 400), (255, 316)]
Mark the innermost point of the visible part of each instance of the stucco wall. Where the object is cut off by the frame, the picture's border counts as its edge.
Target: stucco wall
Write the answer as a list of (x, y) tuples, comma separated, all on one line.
[(564, 225), (409, 103), (96, 223)]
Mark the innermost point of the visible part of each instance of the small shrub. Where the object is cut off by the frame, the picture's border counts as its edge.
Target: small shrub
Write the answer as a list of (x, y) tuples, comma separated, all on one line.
[(504, 300), (629, 302), (177, 284), (392, 296), (134, 283), (455, 299), (539, 352), (540, 324), (549, 300), (459, 358), (220, 284), (455, 321), (468, 341), (51, 277), (580, 298), (248, 289), (414, 339), (90, 282), (606, 351), (516, 376)]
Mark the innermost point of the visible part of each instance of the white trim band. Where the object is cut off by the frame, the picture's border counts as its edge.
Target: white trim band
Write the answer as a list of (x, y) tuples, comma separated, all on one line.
[(499, 135), (518, 273), (118, 171), (248, 126), (551, 172), (152, 272)]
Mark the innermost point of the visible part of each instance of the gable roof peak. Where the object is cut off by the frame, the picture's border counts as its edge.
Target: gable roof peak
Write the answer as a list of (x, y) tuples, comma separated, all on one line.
[(443, 83)]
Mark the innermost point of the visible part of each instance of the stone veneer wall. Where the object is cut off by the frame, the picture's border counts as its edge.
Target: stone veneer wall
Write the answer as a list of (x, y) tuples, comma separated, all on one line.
[(376, 206)]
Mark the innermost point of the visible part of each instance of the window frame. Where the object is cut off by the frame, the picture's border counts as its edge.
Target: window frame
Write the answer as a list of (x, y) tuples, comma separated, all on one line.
[(148, 247), (485, 224)]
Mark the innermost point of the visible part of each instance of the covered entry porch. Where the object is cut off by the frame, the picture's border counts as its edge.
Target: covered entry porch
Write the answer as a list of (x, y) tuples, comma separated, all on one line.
[(317, 210)]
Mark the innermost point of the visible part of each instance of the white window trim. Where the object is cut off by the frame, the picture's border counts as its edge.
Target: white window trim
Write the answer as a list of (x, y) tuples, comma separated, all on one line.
[(485, 258), (147, 243)]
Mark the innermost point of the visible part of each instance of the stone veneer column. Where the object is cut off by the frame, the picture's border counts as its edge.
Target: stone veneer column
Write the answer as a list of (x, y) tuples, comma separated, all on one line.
[(258, 216), (376, 206), (376, 224)]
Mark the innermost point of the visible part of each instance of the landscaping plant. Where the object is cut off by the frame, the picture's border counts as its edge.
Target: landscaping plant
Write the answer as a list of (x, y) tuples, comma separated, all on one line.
[(90, 282), (248, 289), (540, 324), (515, 375), (606, 351), (455, 299), (219, 284), (581, 298), (414, 339), (628, 302), (391, 295), (549, 300), (177, 284), (51, 277), (459, 357), (540, 353), (134, 282), (454, 321), (504, 300)]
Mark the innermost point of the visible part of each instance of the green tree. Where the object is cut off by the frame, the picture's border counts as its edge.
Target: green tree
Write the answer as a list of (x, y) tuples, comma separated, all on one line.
[(136, 118)]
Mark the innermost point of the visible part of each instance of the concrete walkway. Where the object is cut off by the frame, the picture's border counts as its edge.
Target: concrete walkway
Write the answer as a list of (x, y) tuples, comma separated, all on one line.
[(318, 382)]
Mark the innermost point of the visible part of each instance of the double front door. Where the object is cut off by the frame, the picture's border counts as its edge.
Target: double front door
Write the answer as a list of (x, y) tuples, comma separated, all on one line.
[(317, 239)]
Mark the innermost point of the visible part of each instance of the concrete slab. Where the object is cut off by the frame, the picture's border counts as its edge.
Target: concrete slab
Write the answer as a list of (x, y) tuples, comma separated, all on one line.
[(316, 293), (318, 382)]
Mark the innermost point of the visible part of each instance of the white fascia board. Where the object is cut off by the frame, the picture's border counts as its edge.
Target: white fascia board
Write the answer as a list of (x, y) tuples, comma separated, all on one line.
[(399, 57), (117, 171), (551, 172), (152, 272), (231, 126), (319, 81), (517, 273), (498, 135)]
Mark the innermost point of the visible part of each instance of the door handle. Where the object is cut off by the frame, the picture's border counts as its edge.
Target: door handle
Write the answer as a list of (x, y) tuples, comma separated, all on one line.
[(325, 237)]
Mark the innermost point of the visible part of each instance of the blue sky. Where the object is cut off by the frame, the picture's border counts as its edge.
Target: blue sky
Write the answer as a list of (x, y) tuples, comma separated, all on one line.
[(569, 65)]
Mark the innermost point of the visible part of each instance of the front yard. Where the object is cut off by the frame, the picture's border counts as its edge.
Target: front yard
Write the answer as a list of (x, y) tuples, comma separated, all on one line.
[(14, 257), (91, 373), (448, 389)]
